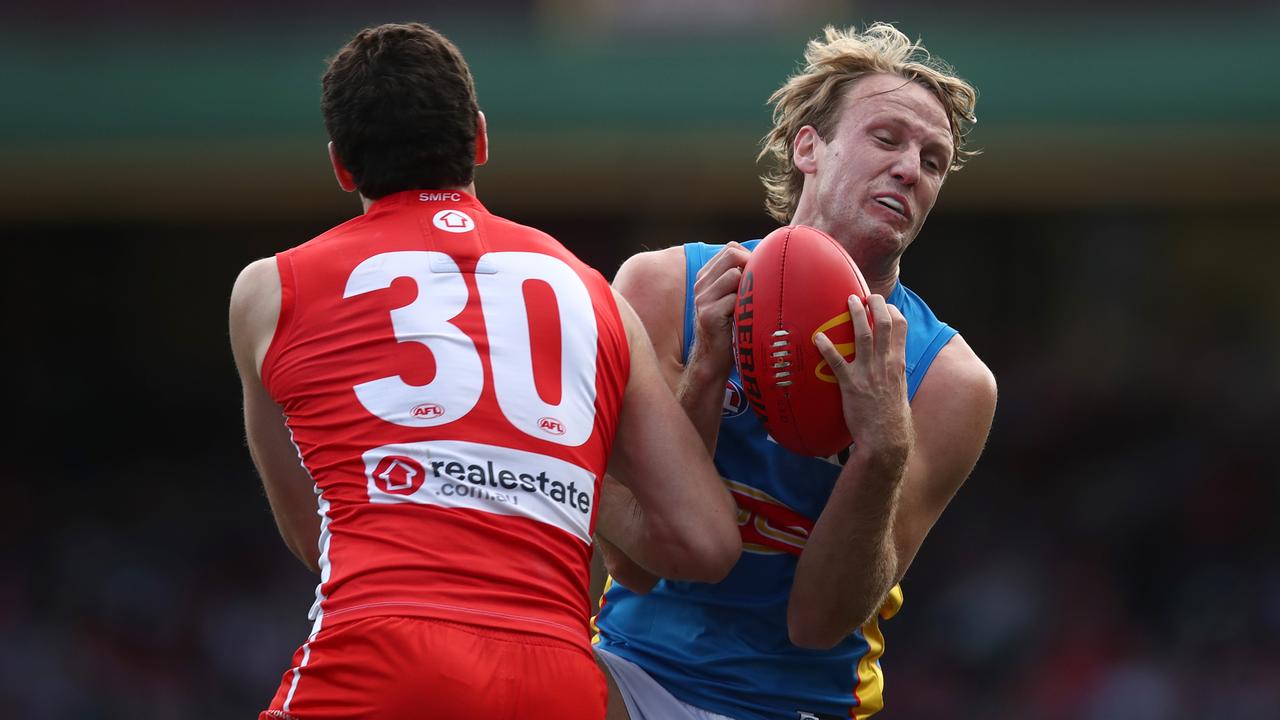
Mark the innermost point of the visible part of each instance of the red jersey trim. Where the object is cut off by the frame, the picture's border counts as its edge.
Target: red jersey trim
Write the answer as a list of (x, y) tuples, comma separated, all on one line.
[(284, 322)]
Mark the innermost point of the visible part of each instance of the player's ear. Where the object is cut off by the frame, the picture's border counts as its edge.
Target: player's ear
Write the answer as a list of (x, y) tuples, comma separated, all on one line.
[(340, 171), (804, 150), (482, 139)]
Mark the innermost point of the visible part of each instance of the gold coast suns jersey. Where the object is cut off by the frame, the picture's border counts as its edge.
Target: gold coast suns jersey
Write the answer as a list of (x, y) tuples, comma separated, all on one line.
[(452, 382), (725, 647)]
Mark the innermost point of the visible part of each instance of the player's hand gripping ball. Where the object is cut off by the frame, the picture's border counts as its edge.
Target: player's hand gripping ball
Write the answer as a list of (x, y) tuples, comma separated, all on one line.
[(796, 284)]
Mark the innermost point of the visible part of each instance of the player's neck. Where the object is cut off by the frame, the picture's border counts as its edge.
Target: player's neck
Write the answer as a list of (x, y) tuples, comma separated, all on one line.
[(881, 282), (469, 188)]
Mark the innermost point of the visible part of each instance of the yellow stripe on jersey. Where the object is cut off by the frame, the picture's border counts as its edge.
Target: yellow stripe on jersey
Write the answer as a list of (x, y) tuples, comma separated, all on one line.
[(870, 690), (595, 629)]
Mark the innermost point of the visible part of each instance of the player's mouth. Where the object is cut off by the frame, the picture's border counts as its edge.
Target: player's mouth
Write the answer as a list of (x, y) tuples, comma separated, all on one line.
[(895, 203)]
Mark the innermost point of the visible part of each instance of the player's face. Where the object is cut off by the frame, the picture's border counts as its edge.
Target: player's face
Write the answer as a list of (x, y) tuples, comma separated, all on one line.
[(875, 177)]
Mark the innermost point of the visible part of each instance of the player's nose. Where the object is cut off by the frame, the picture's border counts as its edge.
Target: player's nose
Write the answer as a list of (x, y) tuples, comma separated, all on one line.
[(906, 167)]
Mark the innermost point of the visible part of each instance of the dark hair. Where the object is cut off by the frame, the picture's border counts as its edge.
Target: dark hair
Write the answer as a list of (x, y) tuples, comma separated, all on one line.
[(400, 107)]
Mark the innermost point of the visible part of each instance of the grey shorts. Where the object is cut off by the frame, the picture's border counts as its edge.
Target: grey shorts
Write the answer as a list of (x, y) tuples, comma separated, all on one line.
[(645, 698)]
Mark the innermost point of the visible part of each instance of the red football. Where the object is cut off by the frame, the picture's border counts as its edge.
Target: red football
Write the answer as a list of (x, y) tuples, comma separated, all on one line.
[(796, 284)]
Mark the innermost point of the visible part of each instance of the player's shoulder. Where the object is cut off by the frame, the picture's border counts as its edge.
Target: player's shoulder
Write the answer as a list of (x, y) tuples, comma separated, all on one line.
[(961, 373), (255, 307), (350, 230), (258, 279), (506, 233), (510, 228), (652, 272), (653, 283)]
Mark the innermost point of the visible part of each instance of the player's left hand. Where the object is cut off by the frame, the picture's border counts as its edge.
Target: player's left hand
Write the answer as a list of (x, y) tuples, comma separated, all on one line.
[(873, 387), (715, 291)]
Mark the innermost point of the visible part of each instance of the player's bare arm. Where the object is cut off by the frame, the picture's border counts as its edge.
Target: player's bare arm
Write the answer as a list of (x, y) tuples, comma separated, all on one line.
[(678, 519), (615, 498), (255, 307), (654, 283), (906, 465), (952, 413)]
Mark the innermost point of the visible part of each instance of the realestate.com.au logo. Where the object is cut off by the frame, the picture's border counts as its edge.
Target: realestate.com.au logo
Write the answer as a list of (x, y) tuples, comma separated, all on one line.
[(506, 481)]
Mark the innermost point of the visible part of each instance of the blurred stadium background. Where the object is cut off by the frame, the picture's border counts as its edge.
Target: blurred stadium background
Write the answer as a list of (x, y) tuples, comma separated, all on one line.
[(1112, 256)]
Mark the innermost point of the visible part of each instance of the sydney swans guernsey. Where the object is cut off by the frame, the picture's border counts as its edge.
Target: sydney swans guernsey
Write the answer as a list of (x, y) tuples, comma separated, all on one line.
[(452, 381)]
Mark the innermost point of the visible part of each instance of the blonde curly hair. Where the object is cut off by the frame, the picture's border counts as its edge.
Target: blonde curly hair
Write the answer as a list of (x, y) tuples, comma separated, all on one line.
[(832, 65)]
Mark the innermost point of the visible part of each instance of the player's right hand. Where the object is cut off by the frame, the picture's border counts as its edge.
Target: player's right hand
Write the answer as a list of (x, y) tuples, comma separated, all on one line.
[(873, 388), (715, 292)]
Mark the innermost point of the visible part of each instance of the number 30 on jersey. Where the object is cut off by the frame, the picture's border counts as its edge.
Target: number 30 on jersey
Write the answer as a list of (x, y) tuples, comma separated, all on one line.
[(456, 387)]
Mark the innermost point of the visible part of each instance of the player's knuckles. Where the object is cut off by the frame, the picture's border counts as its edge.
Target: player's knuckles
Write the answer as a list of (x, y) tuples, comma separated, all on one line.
[(722, 306), (729, 279), (897, 368)]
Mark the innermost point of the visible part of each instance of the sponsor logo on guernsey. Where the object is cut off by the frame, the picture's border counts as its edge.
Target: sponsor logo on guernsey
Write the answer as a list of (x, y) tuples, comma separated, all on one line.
[(735, 403), (766, 524), (454, 221), (398, 475), (486, 478)]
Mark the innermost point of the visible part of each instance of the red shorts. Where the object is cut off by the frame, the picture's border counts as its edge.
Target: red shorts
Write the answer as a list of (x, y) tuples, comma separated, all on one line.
[(403, 667)]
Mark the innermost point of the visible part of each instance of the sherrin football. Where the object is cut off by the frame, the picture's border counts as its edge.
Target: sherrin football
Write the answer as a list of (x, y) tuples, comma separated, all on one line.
[(796, 284)]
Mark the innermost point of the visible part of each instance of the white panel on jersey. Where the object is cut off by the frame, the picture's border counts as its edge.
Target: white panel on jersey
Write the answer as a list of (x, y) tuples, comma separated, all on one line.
[(486, 478), (459, 378), (571, 421)]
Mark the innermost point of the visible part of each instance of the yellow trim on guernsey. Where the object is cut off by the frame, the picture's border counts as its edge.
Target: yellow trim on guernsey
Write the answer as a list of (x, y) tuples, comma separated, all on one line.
[(870, 688), (595, 629)]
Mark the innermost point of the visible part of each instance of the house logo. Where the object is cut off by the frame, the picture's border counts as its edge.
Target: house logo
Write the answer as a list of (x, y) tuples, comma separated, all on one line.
[(399, 475), (454, 221)]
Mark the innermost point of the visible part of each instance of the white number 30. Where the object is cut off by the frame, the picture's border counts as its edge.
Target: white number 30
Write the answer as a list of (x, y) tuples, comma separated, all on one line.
[(459, 379)]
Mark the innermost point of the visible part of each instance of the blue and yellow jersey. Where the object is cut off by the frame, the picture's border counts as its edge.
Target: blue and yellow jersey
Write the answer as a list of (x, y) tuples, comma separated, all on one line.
[(724, 647)]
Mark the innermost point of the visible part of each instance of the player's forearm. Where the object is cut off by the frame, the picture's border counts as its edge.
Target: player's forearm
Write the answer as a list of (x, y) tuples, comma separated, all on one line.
[(701, 394), (850, 561), (292, 499), (623, 569), (695, 540), (300, 531)]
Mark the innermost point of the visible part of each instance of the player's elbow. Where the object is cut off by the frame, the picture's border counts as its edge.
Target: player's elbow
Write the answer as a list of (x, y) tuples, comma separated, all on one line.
[(814, 635), (813, 629), (308, 554), (705, 556), (313, 564), (724, 555)]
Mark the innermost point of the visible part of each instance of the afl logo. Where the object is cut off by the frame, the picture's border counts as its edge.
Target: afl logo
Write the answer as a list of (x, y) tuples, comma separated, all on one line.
[(551, 426), (735, 403), (454, 221), (399, 475), (426, 411)]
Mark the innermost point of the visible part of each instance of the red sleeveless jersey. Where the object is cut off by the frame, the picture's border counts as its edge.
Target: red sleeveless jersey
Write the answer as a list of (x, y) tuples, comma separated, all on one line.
[(452, 381)]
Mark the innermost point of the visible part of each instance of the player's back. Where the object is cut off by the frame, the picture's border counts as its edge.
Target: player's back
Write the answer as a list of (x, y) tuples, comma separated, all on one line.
[(452, 381)]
